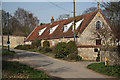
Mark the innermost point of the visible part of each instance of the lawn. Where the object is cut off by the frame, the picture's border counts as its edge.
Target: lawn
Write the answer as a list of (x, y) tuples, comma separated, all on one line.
[(17, 70), (109, 70)]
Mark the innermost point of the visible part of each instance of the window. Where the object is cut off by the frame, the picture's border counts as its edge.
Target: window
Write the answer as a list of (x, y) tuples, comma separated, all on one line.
[(53, 43), (77, 24), (41, 31), (59, 40), (53, 29), (98, 25), (68, 40), (98, 41), (67, 26)]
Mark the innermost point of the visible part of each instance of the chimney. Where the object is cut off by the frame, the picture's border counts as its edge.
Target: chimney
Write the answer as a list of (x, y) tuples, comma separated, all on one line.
[(52, 20)]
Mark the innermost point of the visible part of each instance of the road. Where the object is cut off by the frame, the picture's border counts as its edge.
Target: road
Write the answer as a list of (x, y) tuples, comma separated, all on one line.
[(55, 67)]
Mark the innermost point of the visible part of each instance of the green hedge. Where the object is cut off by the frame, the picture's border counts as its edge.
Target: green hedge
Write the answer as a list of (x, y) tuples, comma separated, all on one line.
[(23, 47), (72, 48), (74, 57), (36, 44), (67, 50), (61, 50)]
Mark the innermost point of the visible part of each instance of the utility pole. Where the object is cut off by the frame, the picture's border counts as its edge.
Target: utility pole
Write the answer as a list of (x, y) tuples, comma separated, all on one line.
[(8, 42), (74, 18), (2, 26)]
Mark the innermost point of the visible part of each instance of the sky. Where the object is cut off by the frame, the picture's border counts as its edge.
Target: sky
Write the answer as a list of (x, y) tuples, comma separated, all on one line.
[(45, 10)]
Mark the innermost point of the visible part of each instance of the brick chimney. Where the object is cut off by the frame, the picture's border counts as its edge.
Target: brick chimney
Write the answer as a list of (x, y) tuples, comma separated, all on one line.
[(52, 20)]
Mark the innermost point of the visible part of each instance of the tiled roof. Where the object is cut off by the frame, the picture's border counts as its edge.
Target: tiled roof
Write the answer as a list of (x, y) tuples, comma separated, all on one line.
[(58, 33), (93, 46)]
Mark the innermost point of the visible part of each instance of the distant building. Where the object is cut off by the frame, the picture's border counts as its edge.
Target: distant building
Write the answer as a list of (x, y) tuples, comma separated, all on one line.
[(63, 31)]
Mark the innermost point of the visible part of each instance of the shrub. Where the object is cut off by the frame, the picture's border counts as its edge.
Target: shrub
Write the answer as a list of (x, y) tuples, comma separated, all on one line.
[(46, 49), (72, 48), (74, 57), (23, 47), (61, 50), (46, 44), (36, 43), (98, 57)]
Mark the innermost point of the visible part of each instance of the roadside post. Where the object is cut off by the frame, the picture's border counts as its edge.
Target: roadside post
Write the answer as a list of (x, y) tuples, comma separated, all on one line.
[(105, 61)]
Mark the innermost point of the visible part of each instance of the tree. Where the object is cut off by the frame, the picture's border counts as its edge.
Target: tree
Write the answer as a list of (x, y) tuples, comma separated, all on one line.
[(21, 24), (63, 16), (88, 10), (27, 20), (4, 21), (111, 11), (104, 33)]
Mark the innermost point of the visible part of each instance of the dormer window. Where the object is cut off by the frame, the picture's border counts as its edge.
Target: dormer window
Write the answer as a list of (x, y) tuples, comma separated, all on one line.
[(78, 24), (41, 31), (98, 25), (53, 29), (67, 26)]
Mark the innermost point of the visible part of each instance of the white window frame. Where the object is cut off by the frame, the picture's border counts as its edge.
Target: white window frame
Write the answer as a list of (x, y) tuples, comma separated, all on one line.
[(53, 29), (41, 31), (77, 24), (53, 43), (68, 40)]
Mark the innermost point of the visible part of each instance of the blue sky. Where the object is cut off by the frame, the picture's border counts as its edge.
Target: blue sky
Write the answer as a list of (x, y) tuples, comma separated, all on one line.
[(45, 10)]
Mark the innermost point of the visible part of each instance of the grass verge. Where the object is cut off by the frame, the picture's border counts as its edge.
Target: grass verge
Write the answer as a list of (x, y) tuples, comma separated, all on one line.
[(17, 70), (6, 52), (109, 70)]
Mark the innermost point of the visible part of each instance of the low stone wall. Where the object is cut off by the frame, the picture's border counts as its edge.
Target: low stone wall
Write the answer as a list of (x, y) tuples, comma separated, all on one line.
[(87, 53), (14, 40), (112, 56)]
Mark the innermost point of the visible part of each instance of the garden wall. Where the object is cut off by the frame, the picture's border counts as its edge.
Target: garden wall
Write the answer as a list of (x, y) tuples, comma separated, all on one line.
[(112, 56)]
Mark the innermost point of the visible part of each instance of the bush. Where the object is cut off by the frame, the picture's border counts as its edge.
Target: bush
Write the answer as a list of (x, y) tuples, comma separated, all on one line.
[(36, 44), (98, 57), (74, 57), (61, 50), (47, 49), (72, 48), (46, 44), (23, 47)]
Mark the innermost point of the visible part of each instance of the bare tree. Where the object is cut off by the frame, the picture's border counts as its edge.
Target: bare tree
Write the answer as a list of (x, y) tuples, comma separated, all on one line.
[(88, 10), (111, 11), (27, 20), (63, 16), (105, 34)]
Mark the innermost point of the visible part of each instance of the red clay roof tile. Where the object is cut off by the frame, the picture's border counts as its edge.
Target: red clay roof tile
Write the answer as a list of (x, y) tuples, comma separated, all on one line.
[(58, 33)]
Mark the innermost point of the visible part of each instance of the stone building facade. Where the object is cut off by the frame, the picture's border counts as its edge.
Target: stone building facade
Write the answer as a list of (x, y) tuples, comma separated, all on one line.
[(14, 40), (62, 31)]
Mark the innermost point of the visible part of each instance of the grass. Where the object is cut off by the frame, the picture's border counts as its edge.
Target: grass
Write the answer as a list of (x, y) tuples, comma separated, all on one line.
[(109, 70), (17, 70), (6, 52)]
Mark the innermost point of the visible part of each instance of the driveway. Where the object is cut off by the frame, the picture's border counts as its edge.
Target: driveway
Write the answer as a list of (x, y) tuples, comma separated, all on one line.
[(55, 67)]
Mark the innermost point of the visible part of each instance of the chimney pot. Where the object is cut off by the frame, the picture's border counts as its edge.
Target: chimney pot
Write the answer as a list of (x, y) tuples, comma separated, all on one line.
[(52, 20)]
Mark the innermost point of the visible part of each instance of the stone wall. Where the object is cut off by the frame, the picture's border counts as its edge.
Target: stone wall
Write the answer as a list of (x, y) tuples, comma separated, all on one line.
[(14, 40), (112, 56), (56, 41), (87, 53)]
